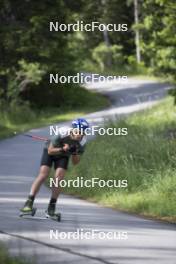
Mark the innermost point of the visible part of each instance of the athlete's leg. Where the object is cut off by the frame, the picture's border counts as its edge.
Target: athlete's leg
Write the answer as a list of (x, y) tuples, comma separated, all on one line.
[(46, 163), (43, 174), (59, 175)]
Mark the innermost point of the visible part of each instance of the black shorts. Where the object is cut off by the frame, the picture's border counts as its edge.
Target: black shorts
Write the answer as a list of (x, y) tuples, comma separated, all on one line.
[(59, 162)]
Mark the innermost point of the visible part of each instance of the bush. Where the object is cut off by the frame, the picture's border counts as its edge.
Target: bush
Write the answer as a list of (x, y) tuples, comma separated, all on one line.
[(102, 54), (60, 96), (137, 68)]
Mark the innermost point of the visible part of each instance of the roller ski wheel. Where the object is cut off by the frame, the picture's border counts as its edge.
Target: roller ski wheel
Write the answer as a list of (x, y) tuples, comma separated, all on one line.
[(55, 216), (28, 213)]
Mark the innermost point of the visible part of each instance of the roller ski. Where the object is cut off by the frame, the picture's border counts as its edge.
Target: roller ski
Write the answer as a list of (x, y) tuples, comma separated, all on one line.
[(50, 213), (28, 209)]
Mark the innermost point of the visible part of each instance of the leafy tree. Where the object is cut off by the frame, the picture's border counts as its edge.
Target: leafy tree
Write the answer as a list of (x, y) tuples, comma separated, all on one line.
[(159, 37), (105, 12), (28, 45)]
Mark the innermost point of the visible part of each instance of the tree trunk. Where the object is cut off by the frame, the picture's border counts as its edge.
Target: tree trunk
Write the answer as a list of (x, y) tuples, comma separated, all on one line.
[(108, 44), (137, 36), (108, 62)]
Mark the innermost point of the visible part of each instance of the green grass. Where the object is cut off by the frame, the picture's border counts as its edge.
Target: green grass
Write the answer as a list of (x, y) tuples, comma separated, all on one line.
[(125, 69), (146, 158), (20, 118), (131, 71), (5, 257)]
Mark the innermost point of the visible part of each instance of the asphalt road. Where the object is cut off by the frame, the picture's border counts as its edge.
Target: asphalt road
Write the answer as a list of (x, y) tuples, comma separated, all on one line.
[(138, 240)]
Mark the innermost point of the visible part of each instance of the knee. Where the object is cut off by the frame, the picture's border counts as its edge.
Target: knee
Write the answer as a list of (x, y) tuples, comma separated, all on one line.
[(43, 173), (60, 174), (42, 176)]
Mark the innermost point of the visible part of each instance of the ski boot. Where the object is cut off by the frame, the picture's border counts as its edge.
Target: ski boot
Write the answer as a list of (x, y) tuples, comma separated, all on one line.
[(50, 212), (28, 208)]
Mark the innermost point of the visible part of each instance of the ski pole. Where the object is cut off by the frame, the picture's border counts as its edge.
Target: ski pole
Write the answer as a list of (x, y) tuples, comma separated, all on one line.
[(36, 137)]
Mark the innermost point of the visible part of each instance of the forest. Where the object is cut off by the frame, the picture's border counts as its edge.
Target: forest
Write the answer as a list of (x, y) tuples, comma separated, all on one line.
[(30, 49)]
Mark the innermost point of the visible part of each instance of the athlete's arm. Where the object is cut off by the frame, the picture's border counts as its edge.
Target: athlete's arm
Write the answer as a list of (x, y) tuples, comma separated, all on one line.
[(75, 159), (54, 151)]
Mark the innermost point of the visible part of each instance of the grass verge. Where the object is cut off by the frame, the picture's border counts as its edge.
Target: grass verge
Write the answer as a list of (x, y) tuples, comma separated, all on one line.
[(5, 257), (146, 158), (19, 118)]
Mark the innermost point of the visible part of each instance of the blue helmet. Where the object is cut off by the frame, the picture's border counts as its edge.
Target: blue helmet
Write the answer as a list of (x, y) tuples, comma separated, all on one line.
[(80, 123)]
